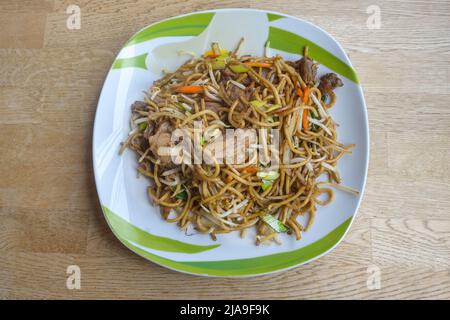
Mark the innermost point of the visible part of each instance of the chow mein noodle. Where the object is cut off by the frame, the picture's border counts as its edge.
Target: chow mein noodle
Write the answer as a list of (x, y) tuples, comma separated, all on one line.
[(207, 98)]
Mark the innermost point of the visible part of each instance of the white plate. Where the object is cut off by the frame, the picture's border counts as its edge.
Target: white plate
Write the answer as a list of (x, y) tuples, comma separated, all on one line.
[(122, 194)]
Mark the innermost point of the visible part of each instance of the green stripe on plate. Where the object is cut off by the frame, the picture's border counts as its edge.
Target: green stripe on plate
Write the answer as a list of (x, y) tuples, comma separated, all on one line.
[(132, 233), (249, 266), (133, 62), (273, 16), (290, 42), (191, 25)]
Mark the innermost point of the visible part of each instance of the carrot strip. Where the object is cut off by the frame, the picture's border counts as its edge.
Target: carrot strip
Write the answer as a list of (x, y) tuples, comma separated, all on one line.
[(300, 92), (190, 89), (212, 55), (258, 64), (306, 95), (250, 170), (305, 119)]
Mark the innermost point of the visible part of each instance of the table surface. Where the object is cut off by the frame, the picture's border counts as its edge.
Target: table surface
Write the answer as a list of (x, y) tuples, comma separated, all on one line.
[(50, 79)]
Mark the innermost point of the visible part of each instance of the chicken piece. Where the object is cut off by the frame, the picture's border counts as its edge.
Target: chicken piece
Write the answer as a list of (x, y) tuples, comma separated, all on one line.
[(161, 138), (232, 148)]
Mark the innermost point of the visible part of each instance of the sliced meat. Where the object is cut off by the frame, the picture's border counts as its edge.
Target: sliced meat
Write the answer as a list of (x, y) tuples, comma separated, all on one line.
[(138, 106), (329, 82), (161, 138), (236, 147), (213, 106), (234, 92), (307, 70)]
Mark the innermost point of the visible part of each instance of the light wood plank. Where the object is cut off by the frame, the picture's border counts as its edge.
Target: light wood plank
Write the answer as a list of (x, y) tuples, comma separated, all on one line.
[(50, 80)]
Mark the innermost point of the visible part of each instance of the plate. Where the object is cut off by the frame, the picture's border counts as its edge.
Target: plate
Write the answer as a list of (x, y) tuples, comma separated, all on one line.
[(131, 217)]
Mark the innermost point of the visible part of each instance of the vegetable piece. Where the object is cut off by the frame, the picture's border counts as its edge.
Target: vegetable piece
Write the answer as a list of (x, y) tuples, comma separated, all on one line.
[(251, 169), (183, 106), (190, 89), (305, 119), (273, 108), (300, 92), (268, 175), (257, 103), (202, 141), (258, 64), (142, 126), (228, 179), (274, 223), (306, 92), (238, 68), (211, 54), (266, 185), (182, 195), (220, 61), (218, 64)]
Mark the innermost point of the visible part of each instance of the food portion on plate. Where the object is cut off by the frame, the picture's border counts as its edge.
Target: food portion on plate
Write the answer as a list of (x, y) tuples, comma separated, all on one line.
[(231, 142)]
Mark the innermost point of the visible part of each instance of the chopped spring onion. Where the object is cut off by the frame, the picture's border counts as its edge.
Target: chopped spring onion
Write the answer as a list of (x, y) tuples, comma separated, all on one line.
[(183, 106), (274, 223), (273, 108), (238, 68), (269, 175), (266, 185), (142, 126), (218, 64), (257, 103), (182, 195)]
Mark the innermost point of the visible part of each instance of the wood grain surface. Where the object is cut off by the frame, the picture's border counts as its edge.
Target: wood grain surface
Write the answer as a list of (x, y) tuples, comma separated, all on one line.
[(50, 80)]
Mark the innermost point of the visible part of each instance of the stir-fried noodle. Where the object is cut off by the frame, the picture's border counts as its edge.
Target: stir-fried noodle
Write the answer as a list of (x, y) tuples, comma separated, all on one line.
[(283, 102)]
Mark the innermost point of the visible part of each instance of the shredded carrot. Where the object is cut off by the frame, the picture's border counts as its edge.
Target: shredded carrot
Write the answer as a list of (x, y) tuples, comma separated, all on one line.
[(305, 119), (211, 55), (250, 170), (258, 64), (300, 92), (306, 95), (228, 179), (190, 89)]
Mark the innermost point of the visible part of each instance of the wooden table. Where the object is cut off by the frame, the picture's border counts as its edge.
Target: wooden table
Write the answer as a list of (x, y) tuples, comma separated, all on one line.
[(50, 79)]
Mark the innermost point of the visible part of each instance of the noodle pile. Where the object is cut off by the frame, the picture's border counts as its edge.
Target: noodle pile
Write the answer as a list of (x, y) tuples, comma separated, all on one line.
[(226, 91)]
